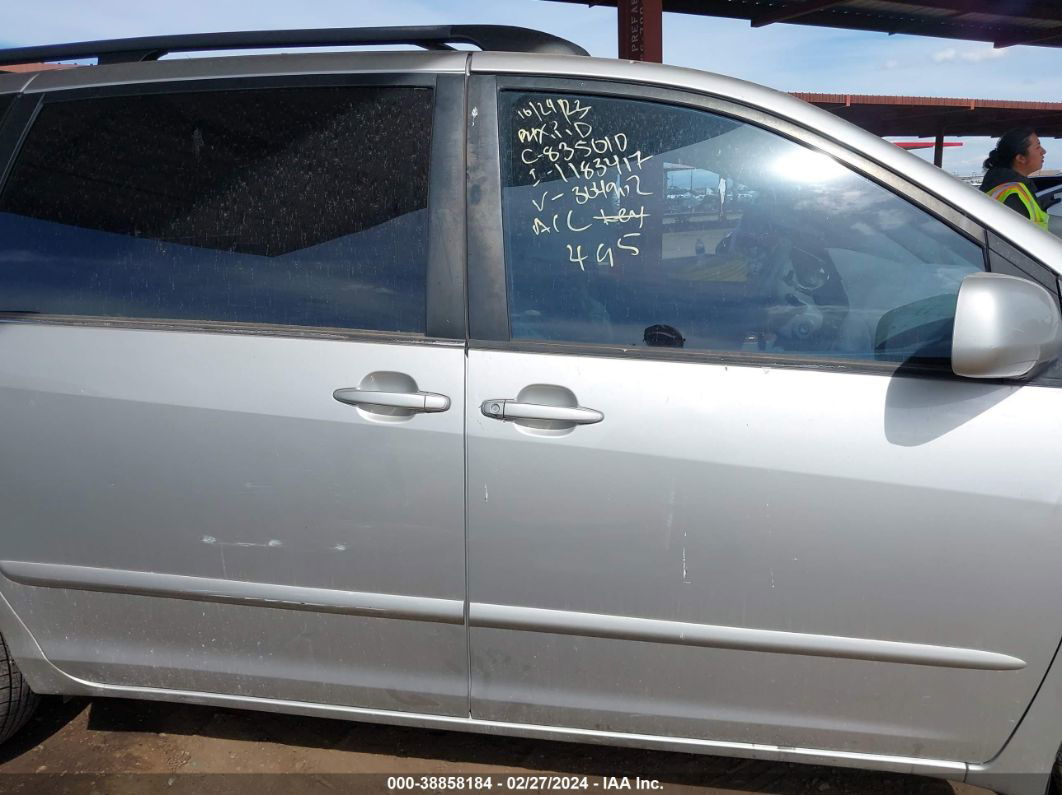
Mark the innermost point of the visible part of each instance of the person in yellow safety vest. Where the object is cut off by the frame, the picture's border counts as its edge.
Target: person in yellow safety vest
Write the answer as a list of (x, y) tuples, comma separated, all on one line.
[(1017, 155)]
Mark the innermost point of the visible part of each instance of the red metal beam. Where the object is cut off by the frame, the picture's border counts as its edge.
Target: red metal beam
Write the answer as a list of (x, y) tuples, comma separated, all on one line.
[(35, 67), (923, 144), (641, 30)]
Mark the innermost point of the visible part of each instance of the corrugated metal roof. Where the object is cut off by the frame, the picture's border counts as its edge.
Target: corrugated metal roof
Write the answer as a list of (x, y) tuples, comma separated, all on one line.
[(929, 116), (1036, 22), (952, 102)]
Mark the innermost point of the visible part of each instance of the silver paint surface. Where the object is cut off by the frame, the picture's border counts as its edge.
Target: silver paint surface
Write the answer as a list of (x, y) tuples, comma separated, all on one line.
[(1005, 327), (889, 509), (224, 458)]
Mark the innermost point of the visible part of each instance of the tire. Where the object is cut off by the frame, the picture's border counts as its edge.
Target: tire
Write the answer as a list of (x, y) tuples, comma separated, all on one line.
[(17, 701), (1055, 785)]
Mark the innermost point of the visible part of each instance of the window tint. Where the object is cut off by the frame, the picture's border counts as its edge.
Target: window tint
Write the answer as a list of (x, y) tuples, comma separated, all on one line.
[(284, 206), (5, 103), (640, 224)]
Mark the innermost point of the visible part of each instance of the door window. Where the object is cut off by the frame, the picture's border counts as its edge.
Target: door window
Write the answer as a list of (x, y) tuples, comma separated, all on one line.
[(635, 223), (293, 206)]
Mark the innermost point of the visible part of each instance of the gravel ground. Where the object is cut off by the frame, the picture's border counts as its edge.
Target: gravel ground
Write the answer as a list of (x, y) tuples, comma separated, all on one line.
[(105, 746)]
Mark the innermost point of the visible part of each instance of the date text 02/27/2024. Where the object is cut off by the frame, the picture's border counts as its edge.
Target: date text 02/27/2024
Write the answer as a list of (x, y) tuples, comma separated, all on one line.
[(519, 783)]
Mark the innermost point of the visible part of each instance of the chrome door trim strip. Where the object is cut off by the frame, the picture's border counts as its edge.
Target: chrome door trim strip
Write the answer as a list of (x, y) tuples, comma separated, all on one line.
[(208, 589), (941, 768), (594, 625), (527, 619)]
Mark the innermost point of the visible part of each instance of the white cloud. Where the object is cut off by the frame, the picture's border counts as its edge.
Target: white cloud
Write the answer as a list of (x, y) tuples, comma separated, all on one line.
[(892, 63), (983, 55), (973, 56)]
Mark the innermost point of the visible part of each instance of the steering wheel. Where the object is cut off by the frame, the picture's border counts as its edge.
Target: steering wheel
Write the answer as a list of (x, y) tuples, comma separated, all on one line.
[(803, 297)]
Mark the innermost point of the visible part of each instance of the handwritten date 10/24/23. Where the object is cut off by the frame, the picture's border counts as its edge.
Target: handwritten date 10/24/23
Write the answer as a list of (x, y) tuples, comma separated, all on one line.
[(520, 783), (559, 143)]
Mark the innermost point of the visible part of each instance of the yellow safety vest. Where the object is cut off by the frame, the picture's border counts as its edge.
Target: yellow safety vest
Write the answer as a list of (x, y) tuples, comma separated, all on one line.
[(1007, 189)]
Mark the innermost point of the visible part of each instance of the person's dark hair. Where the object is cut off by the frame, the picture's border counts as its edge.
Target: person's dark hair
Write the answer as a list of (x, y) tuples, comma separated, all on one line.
[(1011, 144)]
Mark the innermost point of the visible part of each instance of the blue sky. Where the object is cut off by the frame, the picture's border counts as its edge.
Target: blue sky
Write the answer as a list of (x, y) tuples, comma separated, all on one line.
[(787, 57)]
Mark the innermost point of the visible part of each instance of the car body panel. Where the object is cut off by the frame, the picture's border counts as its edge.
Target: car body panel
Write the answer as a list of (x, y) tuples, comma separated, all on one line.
[(179, 459), (720, 495), (13, 82)]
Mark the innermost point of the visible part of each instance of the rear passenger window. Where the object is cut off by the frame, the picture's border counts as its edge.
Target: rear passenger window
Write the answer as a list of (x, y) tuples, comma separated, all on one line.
[(633, 223), (294, 206)]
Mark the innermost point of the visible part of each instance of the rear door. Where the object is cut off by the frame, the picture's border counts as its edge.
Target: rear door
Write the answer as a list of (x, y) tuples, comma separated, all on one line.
[(231, 379), (721, 483)]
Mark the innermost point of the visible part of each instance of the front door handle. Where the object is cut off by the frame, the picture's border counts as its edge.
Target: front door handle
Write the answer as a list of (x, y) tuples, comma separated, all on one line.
[(504, 409), (412, 401)]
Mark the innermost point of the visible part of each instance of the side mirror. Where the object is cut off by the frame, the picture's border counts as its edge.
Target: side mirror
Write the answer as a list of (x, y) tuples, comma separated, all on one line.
[(1005, 327)]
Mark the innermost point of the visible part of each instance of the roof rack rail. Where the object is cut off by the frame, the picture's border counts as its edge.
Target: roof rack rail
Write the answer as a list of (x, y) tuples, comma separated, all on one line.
[(431, 37)]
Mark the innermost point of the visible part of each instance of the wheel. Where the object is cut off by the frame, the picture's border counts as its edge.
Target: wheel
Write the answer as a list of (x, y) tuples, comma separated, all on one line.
[(17, 701), (1055, 785)]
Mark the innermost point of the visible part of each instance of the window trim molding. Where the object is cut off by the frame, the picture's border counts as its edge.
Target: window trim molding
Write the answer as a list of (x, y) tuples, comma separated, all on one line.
[(7, 99), (444, 289), (204, 84), (488, 297), (745, 359), (227, 327), (14, 127)]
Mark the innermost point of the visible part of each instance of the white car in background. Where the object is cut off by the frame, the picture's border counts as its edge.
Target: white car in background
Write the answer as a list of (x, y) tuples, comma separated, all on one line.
[(1049, 194)]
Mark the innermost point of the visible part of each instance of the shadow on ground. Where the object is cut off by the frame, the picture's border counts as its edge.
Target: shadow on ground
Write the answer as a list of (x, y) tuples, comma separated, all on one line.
[(51, 717), (388, 748)]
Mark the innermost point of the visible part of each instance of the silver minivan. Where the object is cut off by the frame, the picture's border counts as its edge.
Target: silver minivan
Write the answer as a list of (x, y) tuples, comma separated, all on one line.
[(392, 386)]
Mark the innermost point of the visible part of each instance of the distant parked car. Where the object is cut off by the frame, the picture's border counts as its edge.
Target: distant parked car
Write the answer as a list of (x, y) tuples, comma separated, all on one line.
[(1050, 198), (1049, 181)]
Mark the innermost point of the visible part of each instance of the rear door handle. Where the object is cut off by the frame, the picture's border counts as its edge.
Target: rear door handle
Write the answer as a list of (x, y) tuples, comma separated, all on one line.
[(512, 410), (413, 401)]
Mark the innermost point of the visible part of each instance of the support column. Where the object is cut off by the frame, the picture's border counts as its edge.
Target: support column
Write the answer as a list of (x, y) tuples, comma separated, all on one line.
[(641, 30), (938, 151)]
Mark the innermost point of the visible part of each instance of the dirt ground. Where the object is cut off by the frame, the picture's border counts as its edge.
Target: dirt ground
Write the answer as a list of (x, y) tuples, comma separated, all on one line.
[(106, 746)]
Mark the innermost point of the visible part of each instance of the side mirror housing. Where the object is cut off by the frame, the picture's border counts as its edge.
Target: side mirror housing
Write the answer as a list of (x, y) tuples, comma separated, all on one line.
[(1005, 327)]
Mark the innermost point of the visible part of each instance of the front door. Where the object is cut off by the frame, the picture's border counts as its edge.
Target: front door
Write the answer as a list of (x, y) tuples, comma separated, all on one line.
[(721, 484), (233, 450)]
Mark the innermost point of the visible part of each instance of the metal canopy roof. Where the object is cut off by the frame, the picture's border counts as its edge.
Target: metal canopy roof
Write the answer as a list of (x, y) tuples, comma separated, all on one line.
[(1002, 22), (930, 116)]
